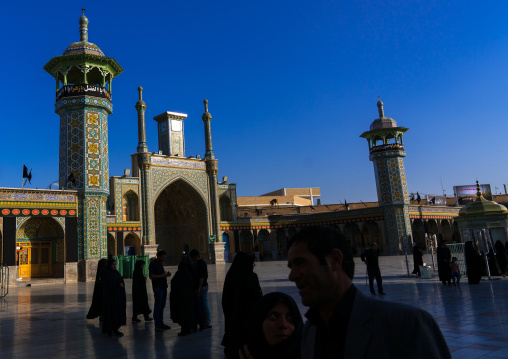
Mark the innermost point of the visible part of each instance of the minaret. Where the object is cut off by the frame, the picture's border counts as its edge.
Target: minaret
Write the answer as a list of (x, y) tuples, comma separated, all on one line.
[(211, 169), (144, 163), (386, 149), (83, 78)]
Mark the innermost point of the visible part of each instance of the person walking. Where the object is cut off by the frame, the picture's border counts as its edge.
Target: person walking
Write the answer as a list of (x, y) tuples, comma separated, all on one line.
[(159, 276), (139, 294), (114, 301), (417, 259), (371, 259), (202, 289), (343, 322)]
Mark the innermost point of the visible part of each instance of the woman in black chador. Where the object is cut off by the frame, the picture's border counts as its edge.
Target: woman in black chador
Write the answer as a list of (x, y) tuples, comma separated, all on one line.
[(113, 301), (96, 306), (181, 297), (443, 263), (502, 259), (474, 264), (239, 296), (274, 330), (417, 259), (139, 295)]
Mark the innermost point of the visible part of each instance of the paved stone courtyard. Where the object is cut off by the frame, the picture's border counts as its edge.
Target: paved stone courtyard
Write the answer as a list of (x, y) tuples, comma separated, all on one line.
[(49, 320)]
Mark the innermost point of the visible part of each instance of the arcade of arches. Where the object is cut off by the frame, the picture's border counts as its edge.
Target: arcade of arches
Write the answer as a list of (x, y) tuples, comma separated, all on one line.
[(271, 243), (180, 221)]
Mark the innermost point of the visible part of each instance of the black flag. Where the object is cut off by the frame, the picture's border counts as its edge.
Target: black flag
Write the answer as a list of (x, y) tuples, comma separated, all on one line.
[(26, 174), (72, 179), (418, 198), (346, 205)]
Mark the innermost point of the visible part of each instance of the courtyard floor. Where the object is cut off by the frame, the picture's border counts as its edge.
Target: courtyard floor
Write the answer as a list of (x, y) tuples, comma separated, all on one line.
[(49, 319)]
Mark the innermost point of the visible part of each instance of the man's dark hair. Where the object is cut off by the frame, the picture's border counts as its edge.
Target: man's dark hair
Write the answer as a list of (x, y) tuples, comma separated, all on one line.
[(321, 240), (162, 252), (194, 253)]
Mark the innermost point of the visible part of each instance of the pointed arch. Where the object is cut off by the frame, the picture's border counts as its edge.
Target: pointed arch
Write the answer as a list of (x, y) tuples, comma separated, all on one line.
[(130, 206), (181, 220), (226, 212), (132, 240)]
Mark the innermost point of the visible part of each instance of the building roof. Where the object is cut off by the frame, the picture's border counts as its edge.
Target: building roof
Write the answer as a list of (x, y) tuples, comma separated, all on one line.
[(482, 206)]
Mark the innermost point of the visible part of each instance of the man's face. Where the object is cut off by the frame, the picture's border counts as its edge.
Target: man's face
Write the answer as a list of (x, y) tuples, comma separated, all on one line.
[(161, 258), (312, 279), (374, 246)]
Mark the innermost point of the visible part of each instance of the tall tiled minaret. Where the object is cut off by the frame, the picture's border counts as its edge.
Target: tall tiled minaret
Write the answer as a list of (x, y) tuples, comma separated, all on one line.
[(83, 78), (386, 149)]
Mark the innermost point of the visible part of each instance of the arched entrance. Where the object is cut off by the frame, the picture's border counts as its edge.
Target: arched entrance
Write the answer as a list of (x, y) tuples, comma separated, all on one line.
[(446, 230), (265, 248), (226, 213), (282, 244), (111, 244), (227, 248), (180, 221), (418, 231), (130, 208), (132, 245), (41, 243), (353, 234), (372, 233), (246, 239)]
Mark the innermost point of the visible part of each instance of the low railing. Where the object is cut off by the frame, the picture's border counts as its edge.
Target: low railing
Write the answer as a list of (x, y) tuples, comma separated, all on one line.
[(4, 280), (457, 251), (125, 265)]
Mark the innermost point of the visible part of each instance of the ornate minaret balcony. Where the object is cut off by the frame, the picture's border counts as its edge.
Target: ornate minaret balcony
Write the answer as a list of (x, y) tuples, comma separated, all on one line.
[(385, 138), (83, 69)]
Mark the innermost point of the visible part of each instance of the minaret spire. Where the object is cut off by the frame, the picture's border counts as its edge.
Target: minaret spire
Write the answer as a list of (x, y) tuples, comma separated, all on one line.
[(141, 107), (83, 27), (380, 107), (207, 118)]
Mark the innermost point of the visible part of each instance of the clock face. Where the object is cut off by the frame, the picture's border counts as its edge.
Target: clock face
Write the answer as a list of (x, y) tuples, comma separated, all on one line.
[(163, 126), (176, 125)]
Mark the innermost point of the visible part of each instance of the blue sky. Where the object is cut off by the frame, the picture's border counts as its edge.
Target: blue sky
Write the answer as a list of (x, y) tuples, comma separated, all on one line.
[(291, 86)]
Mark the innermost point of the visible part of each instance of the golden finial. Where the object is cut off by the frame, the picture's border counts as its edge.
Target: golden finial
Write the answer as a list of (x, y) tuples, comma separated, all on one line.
[(206, 105), (380, 107), (478, 191), (140, 89)]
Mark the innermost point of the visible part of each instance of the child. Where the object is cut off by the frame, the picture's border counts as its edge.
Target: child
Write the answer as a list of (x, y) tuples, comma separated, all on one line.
[(455, 270)]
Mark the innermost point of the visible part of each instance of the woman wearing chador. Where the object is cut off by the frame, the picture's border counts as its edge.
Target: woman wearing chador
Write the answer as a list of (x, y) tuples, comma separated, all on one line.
[(443, 263), (181, 297), (113, 301), (239, 297), (139, 294), (274, 330), (98, 289)]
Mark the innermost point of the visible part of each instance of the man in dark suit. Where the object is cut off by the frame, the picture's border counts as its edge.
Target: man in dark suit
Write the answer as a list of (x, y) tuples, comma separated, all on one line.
[(344, 323)]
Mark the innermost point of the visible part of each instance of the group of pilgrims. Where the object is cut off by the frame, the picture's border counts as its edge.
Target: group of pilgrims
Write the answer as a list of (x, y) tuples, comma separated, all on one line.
[(109, 301), (256, 326), (476, 266)]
